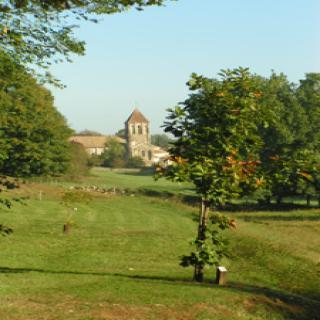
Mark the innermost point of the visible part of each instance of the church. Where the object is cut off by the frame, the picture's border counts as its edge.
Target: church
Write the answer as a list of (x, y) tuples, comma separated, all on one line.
[(137, 141)]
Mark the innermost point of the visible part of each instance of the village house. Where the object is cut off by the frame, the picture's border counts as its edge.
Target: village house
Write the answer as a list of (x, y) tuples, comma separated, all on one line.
[(95, 145)]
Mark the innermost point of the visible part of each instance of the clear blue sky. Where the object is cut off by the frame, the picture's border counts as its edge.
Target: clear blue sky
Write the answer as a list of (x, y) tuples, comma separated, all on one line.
[(144, 58)]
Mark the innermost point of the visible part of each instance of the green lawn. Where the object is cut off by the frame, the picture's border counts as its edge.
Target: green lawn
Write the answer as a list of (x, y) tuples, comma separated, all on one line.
[(121, 259)]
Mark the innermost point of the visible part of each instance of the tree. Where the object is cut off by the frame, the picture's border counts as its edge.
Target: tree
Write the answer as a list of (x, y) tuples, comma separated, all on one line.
[(121, 133), (135, 162), (33, 134), (284, 139), (308, 94), (6, 184), (114, 155), (216, 148), (39, 32), (160, 140), (79, 160), (87, 132)]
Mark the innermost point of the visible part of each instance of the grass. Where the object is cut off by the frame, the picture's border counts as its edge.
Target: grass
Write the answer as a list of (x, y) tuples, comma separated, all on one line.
[(134, 180), (121, 259)]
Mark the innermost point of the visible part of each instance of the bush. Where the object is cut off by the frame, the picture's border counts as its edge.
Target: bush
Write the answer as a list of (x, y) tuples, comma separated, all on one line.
[(135, 162), (114, 155), (79, 160)]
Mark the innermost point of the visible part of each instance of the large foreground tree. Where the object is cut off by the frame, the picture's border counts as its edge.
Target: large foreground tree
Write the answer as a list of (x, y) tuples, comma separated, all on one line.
[(216, 147)]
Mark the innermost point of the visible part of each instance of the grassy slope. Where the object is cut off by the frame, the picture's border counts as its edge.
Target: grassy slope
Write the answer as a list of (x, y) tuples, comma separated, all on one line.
[(121, 260)]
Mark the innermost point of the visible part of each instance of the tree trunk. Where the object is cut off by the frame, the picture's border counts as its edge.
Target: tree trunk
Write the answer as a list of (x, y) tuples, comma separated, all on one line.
[(268, 200), (279, 200), (67, 228), (308, 200), (203, 222)]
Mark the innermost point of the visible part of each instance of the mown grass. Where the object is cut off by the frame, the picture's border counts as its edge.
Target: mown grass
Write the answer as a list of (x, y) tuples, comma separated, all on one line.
[(121, 259)]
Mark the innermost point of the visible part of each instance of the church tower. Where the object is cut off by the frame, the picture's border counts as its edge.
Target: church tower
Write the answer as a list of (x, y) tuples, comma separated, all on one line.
[(138, 137)]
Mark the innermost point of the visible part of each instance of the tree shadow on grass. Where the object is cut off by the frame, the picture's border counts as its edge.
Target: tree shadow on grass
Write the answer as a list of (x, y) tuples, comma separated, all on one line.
[(139, 173), (254, 207), (184, 195), (291, 306), (165, 194), (278, 217)]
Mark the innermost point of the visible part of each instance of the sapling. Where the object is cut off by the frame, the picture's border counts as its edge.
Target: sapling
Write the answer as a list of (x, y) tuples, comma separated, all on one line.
[(71, 199)]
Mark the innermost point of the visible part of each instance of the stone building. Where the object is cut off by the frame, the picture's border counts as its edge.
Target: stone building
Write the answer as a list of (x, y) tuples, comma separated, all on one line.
[(137, 128), (95, 145)]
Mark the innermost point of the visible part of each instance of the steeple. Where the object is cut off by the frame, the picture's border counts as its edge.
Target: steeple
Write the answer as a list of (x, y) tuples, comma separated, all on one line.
[(137, 117), (138, 136)]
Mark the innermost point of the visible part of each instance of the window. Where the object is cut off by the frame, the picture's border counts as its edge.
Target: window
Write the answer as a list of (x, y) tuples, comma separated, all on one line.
[(139, 129), (149, 155), (133, 129), (143, 153)]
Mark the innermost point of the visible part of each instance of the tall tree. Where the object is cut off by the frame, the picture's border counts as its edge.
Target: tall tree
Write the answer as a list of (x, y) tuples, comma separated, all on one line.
[(217, 141), (284, 139), (33, 134), (308, 94)]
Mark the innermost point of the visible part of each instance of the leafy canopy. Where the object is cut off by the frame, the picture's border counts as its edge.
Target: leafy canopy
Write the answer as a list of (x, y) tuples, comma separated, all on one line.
[(216, 131), (33, 134)]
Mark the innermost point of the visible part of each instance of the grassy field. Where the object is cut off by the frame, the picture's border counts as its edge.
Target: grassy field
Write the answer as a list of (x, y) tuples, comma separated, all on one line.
[(121, 259)]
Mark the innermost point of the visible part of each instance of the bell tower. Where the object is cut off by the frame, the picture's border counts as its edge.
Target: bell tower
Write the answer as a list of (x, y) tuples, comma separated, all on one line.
[(138, 136)]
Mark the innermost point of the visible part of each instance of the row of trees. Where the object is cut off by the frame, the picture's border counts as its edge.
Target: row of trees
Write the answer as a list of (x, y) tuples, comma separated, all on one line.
[(242, 134)]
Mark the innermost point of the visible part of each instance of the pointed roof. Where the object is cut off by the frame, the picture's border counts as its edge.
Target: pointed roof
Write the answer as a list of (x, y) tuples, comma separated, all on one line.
[(137, 116)]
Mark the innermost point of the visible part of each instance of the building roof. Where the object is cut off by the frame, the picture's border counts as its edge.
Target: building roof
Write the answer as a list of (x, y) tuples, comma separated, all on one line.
[(137, 116), (94, 141)]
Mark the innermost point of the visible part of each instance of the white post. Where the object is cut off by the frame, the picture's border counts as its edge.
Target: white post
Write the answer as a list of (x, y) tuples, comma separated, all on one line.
[(221, 277)]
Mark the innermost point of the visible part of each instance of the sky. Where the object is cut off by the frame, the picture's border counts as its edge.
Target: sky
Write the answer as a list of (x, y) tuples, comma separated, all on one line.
[(144, 59)]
